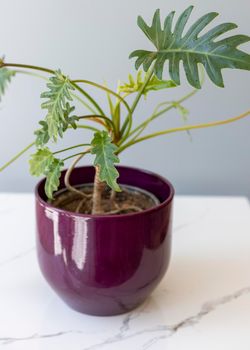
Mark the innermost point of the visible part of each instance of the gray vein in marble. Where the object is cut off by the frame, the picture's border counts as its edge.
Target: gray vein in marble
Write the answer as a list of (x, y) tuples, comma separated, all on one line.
[(10, 340), (167, 331), (16, 257)]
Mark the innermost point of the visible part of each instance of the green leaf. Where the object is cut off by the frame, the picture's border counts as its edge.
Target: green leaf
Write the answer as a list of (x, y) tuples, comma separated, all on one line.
[(42, 135), (53, 177), (153, 85), (104, 150), (57, 104), (40, 162), (5, 78), (43, 162), (191, 48)]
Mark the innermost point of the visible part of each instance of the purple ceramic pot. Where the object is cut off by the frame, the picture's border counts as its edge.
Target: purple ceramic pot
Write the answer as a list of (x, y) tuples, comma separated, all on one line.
[(105, 264)]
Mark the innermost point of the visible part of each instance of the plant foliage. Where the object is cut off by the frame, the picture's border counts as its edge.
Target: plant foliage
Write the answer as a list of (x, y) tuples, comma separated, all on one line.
[(135, 85), (57, 104), (104, 150), (5, 78), (191, 48), (43, 162)]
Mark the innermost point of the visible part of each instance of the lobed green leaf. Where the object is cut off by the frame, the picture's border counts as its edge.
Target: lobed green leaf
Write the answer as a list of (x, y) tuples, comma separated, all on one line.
[(53, 177), (5, 78), (43, 162), (105, 158), (57, 104), (173, 46)]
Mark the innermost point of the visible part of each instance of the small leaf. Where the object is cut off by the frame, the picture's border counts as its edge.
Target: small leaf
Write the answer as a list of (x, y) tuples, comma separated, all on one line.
[(53, 177), (43, 162), (40, 162), (5, 78), (104, 150), (153, 85), (173, 46), (42, 135)]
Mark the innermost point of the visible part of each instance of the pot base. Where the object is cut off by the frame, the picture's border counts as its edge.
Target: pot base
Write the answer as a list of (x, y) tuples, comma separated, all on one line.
[(112, 308)]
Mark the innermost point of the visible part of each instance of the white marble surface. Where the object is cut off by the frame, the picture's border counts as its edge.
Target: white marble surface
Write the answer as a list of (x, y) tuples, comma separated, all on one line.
[(202, 303)]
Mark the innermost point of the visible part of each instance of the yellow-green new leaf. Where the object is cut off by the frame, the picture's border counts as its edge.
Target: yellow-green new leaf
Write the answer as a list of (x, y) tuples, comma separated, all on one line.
[(154, 84), (104, 150)]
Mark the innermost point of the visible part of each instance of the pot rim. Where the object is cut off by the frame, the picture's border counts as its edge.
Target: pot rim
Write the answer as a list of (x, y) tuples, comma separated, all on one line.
[(110, 216)]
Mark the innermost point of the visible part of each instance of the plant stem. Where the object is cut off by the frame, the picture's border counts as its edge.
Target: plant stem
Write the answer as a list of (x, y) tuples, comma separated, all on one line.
[(50, 71), (17, 156), (95, 117), (28, 66), (85, 104), (97, 193), (99, 86), (98, 108), (156, 115), (183, 128), (74, 155), (85, 127), (69, 148), (137, 99), (68, 173)]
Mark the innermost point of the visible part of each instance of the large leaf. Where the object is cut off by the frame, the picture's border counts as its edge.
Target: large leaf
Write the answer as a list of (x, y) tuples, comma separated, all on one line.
[(56, 104), (154, 84), (44, 163), (105, 158), (191, 48), (5, 78)]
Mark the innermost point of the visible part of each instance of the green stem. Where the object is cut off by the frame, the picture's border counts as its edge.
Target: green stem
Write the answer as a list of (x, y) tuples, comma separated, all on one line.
[(165, 110), (98, 108), (28, 66), (85, 104), (85, 127), (109, 122), (183, 128), (69, 148), (137, 99), (104, 89), (50, 71), (75, 155), (17, 156)]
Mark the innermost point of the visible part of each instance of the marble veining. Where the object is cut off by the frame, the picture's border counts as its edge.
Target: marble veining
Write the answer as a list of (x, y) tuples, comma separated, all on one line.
[(202, 303), (17, 257), (10, 340), (169, 330)]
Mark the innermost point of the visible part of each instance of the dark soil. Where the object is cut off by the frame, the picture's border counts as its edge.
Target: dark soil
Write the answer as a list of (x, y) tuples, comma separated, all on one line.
[(128, 201)]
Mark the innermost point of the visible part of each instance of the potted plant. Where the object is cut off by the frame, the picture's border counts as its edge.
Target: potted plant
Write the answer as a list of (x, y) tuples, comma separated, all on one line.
[(104, 244)]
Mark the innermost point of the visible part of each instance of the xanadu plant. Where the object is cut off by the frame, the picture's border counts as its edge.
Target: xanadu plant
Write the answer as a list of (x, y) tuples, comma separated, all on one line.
[(114, 130)]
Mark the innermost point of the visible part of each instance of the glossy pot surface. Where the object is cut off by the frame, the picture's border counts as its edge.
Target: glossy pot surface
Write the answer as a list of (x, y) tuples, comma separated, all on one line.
[(105, 264)]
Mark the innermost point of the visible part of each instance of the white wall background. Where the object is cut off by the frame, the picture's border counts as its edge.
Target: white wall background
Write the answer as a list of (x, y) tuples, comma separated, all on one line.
[(92, 39)]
